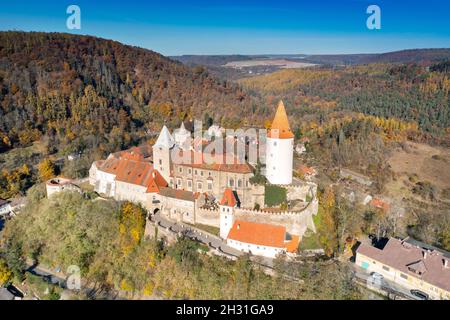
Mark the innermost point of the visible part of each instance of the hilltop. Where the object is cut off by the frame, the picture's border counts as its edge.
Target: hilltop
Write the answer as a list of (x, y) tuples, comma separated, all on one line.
[(71, 86)]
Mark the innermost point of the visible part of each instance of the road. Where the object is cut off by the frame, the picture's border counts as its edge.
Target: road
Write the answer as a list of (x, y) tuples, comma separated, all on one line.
[(59, 279), (205, 238)]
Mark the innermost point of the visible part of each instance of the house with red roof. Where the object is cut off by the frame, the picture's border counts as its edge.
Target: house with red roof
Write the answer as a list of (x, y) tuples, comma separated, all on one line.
[(409, 264), (380, 204), (261, 239)]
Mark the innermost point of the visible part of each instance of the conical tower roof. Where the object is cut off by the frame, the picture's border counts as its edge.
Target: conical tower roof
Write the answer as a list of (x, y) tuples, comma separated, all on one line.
[(280, 126), (182, 129), (165, 139)]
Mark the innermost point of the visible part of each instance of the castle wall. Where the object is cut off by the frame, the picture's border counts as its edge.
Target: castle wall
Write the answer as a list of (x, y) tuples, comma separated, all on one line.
[(301, 191), (295, 222), (207, 217)]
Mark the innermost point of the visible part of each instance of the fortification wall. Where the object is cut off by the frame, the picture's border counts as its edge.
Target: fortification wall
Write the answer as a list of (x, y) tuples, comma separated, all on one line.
[(207, 217), (295, 222), (301, 191)]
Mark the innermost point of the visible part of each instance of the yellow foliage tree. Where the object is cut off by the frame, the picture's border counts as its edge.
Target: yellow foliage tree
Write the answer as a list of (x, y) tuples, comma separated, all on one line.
[(46, 170), (131, 227), (5, 273)]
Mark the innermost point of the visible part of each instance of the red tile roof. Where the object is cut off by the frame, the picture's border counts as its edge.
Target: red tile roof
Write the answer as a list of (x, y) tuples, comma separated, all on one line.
[(406, 258), (263, 234), (178, 194), (380, 204), (228, 198), (134, 172), (307, 170)]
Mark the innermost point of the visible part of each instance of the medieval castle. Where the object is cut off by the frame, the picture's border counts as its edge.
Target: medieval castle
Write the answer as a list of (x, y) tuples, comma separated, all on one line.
[(217, 192)]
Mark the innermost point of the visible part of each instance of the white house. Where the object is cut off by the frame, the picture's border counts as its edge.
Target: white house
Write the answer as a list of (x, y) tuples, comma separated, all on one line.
[(261, 239), (408, 265)]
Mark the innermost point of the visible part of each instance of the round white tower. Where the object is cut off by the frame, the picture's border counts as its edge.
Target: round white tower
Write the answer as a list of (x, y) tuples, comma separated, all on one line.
[(279, 149)]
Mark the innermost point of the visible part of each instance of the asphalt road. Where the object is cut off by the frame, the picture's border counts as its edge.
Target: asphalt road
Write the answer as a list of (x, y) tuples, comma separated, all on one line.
[(205, 238)]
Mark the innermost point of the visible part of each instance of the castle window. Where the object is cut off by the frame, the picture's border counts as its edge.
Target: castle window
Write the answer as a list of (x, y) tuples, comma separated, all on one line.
[(201, 173), (189, 170), (179, 183), (199, 186), (160, 161), (189, 184), (231, 182), (239, 183), (180, 169), (209, 185), (195, 171)]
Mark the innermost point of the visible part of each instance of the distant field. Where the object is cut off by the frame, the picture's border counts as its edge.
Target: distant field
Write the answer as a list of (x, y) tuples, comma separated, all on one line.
[(427, 162), (281, 63), (419, 163)]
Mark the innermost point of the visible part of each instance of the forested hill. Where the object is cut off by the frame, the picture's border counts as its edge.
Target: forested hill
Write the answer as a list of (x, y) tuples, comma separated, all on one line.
[(70, 86)]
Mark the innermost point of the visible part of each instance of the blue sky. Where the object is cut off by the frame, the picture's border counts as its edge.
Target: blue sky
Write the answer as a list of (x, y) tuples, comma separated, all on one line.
[(245, 26)]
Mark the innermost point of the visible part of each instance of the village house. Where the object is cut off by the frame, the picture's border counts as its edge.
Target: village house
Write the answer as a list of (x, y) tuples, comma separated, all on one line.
[(410, 266), (378, 203), (307, 172)]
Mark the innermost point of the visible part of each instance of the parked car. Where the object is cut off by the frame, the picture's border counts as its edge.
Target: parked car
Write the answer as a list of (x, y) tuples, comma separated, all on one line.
[(377, 276), (419, 294)]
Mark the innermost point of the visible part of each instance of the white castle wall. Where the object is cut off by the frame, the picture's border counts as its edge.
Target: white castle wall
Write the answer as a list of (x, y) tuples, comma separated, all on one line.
[(295, 222)]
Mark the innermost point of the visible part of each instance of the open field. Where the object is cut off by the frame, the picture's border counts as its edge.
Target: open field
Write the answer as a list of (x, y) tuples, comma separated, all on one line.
[(281, 63), (428, 163), (420, 164)]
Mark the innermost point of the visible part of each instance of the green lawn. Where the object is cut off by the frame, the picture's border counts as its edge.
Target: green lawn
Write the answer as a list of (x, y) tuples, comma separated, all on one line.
[(213, 230), (311, 240), (274, 195)]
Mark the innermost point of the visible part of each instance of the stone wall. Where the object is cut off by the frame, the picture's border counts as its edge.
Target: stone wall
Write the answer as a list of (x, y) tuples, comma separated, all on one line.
[(295, 222), (207, 217), (301, 191)]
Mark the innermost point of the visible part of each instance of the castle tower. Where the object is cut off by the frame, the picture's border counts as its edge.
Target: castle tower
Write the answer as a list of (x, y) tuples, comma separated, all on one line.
[(226, 207), (161, 153), (279, 149), (182, 136)]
